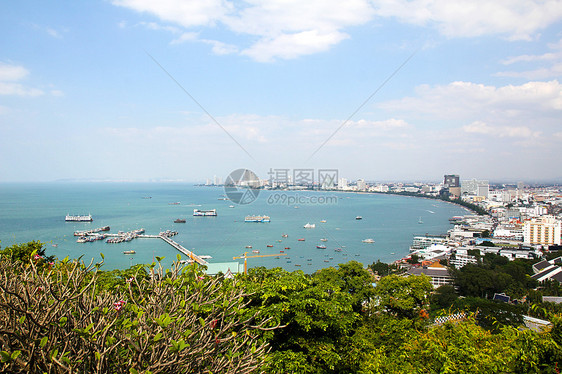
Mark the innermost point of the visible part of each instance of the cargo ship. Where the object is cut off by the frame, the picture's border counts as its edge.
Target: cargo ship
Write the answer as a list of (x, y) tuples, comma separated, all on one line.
[(257, 219), (200, 212), (70, 218)]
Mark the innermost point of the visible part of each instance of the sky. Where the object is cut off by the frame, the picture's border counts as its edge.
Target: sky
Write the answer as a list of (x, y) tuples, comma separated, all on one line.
[(385, 90)]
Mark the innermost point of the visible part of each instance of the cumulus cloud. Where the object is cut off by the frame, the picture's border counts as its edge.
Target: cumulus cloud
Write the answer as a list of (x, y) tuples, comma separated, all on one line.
[(288, 29), (516, 19)]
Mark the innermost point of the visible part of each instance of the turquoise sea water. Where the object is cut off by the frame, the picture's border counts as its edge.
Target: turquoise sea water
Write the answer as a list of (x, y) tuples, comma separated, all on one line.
[(36, 212)]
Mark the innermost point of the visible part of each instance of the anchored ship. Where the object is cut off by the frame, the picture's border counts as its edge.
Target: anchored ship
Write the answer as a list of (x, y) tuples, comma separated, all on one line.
[(200, 212), (70, 218), (257, 219)]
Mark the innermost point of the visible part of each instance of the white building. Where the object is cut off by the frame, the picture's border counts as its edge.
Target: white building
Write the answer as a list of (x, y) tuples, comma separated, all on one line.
[(361, 185), (342, 183), (544, 230)]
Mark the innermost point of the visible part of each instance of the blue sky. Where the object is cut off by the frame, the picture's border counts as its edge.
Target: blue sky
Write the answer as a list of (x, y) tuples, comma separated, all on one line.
[(81, 96)]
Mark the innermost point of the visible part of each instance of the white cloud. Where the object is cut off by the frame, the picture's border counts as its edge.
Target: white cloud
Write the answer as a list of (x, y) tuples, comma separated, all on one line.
[(16, 89), (12, 72), (184, 13), (288, 29), (459, 100), (289, 46), (516, 19), (552, 61), (9, 85), (479, 127)]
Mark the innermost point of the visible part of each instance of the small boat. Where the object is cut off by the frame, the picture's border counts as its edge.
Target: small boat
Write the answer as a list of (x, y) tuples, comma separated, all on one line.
[(231, 206), (255, 251), (281, 251), (301, 240), (358, 217), (323, 240), (321, 246), (368, 240), (309, 226), (180, 220), (269, 245), (323, 221), (279, 240), (308, 259), (131, 252), (392, 253), (297, 264), (420, 220), (248, 246), (174, 203), (289, 261), (337, 250), (287, 247), (326, 260), (55, 245), (284, 235)]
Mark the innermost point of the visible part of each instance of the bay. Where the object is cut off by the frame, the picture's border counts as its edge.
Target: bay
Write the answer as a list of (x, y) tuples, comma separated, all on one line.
[(37, 211)]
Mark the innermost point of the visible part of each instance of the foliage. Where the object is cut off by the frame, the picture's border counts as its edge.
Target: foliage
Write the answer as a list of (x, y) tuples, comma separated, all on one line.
[(24, 252), (316, 312), (59, 320), (443, 297), (402, 297), (382, 268)]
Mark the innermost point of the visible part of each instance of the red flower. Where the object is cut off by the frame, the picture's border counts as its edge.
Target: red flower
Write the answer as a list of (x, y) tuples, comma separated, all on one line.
[(37, 257)]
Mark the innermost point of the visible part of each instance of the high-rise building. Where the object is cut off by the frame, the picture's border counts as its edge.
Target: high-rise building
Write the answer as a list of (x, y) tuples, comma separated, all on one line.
[(342, 183), (545, 230), (361, 185), (452, 182), (475, 187)]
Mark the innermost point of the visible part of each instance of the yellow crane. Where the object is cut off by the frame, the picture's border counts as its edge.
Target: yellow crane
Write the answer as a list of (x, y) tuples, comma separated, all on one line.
[(245, 256)]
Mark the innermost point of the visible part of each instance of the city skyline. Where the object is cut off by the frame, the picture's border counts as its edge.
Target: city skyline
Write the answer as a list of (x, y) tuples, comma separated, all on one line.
[(380, 90)]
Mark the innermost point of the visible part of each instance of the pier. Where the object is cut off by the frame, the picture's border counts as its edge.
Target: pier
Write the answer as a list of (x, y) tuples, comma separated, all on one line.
[(165, 236)]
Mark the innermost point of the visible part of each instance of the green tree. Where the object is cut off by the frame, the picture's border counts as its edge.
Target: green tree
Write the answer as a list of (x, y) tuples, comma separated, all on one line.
[(402, 297), (443, 297)]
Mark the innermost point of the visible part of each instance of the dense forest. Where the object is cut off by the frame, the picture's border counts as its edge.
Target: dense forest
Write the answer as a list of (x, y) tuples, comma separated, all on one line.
[(59, 316)]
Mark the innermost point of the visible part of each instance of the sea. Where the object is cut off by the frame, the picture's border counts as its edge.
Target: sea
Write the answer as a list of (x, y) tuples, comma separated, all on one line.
[(37, 212)]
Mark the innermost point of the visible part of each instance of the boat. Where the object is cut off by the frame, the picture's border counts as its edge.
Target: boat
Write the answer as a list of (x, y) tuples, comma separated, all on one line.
[(321, 246), (248, 246), (368, 240), (420, 220), (131, 252), (309, 226), (338, 250), (297, 264), (323, 240), (70, 218), (287, 247), (326, 260), (231, 206), (179, 220), (174, 203), (281, 251), (255, 251), (284, 235), (55, 245), (323, 221), (308, 259), (269, 245), (301, 240), (205, 213), (258, 219), (358, 217)]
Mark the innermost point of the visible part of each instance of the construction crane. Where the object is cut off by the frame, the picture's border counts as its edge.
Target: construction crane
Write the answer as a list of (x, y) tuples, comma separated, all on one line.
[(245, 257)]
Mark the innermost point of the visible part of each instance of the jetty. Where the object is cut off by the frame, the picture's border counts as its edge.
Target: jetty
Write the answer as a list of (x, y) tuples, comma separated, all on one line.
[(164, 235)]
